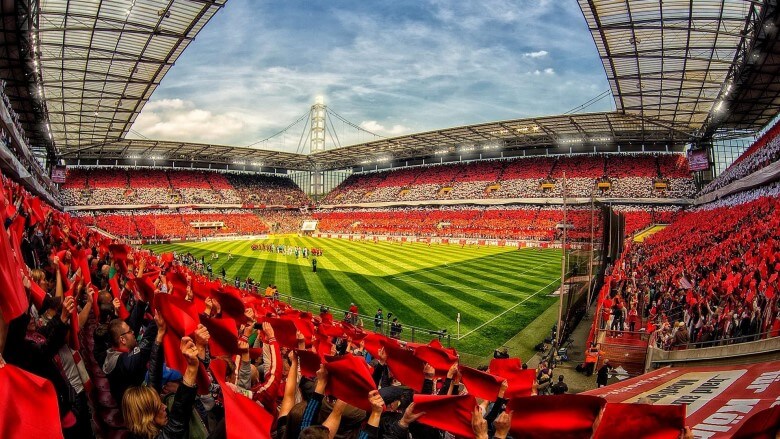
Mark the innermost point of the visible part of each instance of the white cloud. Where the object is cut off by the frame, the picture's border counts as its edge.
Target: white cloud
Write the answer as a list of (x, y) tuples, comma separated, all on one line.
[(396, 69), (548, 71), (165, 104), (537, 54), (377, 128), (180, 120)]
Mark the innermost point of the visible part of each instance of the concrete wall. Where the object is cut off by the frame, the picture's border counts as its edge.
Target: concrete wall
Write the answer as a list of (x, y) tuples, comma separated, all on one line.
[(751, 352)]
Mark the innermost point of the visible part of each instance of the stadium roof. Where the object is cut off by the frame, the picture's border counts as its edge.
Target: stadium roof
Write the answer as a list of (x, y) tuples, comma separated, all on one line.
[(559, 134), (669, 63), (101, 60), (588, 132), (676, 60), (148, 151)]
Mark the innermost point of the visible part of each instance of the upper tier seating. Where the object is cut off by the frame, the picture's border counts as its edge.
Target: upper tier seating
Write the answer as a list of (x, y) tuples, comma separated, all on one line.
[(631, 176), (155, 186), (764, 151)]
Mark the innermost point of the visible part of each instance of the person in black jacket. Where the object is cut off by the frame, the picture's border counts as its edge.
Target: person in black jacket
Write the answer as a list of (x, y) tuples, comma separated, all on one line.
[(125, 363), (145, 414)]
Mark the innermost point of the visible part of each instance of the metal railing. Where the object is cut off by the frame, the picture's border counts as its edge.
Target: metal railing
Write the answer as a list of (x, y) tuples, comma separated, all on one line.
[(653, 341), (414, 334)]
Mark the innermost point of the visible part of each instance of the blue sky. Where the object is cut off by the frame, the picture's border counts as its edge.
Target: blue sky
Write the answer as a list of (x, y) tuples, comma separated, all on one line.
[(392, 67)]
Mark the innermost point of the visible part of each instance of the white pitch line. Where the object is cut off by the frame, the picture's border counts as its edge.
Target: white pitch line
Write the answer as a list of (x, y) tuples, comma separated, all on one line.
[(509, 309)]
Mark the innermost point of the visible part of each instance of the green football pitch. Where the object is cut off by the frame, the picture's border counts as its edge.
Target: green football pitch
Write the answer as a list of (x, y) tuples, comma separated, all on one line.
[(497, 291)]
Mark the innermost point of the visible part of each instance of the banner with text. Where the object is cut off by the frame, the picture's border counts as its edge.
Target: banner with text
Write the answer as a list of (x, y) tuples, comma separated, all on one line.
[(719, 398)]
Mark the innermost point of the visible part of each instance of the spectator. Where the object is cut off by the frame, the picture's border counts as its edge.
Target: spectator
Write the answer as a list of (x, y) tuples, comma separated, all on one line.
[(603, 373), (560, 387)]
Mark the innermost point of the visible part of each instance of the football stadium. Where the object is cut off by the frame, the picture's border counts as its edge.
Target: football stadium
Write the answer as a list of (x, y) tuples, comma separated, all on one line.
[(500, 219)]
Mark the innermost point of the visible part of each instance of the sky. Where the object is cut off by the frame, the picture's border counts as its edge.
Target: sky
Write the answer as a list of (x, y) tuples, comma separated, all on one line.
[(390, 67)]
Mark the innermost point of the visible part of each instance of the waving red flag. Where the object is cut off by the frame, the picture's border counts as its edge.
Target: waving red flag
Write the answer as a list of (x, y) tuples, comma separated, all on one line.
[(653, 421), (244, 418), (558, 416), (73, 335), (179, 282), (229, 299), (309, 362), (481, 384), (349, 380), (438, 358), (284, 331), (119, 254), (520, 380), (37, 295), (117, 293), (145, 284), (405, 367), (29, 405), (450, 413), (762, 425), (13, 299), (224, 336)]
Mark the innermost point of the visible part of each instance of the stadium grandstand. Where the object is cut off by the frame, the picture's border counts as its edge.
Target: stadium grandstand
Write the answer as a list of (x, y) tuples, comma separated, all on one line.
[(600, 274)]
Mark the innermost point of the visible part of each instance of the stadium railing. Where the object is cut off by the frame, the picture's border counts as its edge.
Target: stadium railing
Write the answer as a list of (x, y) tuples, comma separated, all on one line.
[(414, 334)]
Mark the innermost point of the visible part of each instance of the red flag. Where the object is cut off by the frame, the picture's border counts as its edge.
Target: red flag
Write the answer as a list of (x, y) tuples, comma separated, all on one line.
[(373, 342), (119, 254), (201, 288), (330, 330), (181, 319), (438, 358), (653, 421), (243, 417), (558, 416), (116, 292), (29, 405), (37, 294), (36, 209), (324, 347), (224, 336), (305, 326), (349, 380), (762, 425), (405, 367), (79, 260), (13, 299), (179, 282), (145, 284), (229, 299), (284, 332), (167, 257), (449, 413), (309, 362), (520, 381), (73, 335), (481, 384)]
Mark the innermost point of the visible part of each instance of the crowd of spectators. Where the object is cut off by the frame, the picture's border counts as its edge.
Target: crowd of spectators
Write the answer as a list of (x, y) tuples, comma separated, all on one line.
[(178, 224), (98, 339), (21, 150), (12, 114), (154, 186), (709, 278), (516, 222), (764, 151), (631, 176)]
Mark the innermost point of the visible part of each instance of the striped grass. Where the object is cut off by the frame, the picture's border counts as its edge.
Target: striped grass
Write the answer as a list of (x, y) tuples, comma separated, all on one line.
[(498, 291)]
